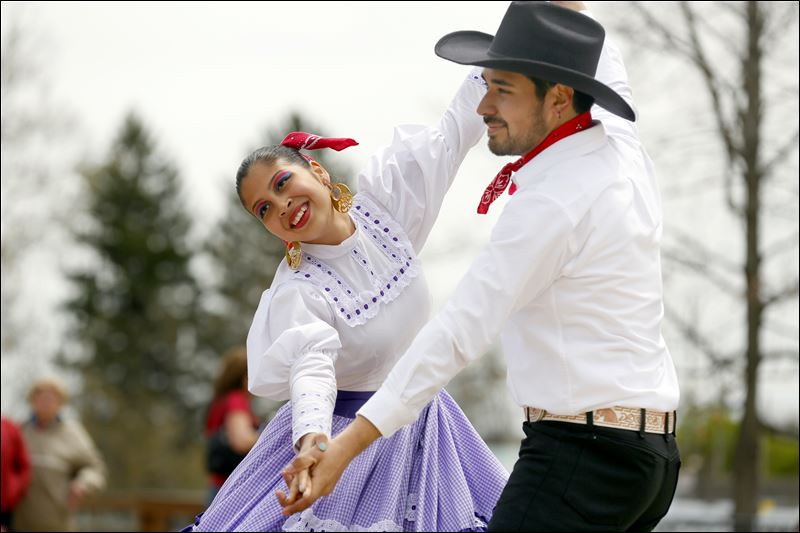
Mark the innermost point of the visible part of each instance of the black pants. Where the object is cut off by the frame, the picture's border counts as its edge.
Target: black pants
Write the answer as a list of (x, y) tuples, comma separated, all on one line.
[(573, 477)]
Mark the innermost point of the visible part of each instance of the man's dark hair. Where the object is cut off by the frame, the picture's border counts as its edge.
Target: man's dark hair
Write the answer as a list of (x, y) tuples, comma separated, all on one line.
[(581, 102)]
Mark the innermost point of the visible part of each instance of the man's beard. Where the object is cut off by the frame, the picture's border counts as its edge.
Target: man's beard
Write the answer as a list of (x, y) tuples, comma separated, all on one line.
[(519, 145), (508, 147)]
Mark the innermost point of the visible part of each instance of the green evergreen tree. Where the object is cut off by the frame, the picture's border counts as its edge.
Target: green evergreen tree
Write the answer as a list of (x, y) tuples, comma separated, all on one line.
[(134, 329)]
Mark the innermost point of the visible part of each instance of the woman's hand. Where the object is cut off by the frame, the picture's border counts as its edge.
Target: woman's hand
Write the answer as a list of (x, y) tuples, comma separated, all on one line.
[(321, 466), (299, 482), (76, 494), (324, 461)]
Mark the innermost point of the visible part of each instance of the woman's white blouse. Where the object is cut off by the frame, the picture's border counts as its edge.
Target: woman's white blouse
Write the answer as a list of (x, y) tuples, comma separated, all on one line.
[(351, 310)]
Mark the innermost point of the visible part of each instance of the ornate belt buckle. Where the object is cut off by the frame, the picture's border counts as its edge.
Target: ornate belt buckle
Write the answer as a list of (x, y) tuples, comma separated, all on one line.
[(535, 414)]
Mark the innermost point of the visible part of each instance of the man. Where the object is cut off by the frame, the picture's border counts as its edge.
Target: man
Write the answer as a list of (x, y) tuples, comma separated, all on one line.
[(570, 281)]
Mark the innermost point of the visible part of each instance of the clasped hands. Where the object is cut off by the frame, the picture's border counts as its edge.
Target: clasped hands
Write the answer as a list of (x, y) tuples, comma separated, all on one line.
[(313, 473), (320, 463)]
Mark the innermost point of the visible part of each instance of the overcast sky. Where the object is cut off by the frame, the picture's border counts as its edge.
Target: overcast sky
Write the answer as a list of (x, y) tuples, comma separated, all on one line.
[(208, 78)]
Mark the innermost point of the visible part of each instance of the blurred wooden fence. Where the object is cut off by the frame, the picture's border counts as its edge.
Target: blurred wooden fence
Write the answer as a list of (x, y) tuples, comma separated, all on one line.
[(155, 510)]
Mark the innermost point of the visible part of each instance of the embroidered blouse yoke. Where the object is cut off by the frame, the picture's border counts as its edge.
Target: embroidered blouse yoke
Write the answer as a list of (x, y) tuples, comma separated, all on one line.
[(344, 318)]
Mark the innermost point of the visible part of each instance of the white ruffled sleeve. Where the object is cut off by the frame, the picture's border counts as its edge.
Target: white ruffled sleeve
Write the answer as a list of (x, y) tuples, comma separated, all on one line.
[(611, 71), (291, 352), (411, 176)]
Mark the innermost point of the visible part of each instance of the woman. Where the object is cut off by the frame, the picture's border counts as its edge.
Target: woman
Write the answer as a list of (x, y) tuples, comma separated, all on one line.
[(341, 309), (66, 464), (230, 423), (16, 472)]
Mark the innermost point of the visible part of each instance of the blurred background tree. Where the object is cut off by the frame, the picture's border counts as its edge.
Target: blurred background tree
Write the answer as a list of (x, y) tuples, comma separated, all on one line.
[(744, 57), (35, 203), (708, 438), (133, 334)]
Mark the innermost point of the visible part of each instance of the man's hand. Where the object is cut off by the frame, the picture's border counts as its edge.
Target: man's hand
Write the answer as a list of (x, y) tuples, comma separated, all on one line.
[(575, 6), (326, 467), (299, 481), (325, 461)]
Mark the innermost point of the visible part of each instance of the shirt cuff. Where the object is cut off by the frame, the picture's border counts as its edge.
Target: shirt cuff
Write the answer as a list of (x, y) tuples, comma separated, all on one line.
[(387, 412), (313, 394), (311, 414)]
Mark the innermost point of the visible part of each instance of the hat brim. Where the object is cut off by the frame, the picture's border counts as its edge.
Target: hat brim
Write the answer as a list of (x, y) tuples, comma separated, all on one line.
[(472, 48)]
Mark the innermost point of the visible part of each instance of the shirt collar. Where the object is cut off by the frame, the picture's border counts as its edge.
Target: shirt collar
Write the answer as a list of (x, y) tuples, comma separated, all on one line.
[(330, 251), (576, 145)]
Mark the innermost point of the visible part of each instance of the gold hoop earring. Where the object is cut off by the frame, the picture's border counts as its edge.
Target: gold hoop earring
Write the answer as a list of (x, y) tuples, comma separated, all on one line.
[(341, 197), (294, 255)]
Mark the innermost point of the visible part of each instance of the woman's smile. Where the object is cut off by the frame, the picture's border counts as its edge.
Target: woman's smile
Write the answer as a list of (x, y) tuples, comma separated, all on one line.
[(300, 216)]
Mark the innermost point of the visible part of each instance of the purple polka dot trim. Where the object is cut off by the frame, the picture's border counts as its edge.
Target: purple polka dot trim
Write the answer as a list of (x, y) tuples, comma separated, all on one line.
[(392, 277)]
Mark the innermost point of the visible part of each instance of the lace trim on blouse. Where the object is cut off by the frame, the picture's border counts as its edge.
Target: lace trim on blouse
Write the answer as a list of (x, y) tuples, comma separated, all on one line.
[(357, 307), (476, 78), (307, 521)]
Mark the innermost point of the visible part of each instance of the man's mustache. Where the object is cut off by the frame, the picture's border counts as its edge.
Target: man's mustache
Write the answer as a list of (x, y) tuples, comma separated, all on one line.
[(493, 120)]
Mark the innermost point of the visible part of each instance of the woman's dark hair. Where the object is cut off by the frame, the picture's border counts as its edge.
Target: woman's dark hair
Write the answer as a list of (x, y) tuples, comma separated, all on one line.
[(581, 102), (268, 154), (232, 372)]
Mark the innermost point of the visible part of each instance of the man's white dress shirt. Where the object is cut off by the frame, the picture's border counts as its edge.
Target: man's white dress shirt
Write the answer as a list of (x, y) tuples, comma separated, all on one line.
[(570, 281)]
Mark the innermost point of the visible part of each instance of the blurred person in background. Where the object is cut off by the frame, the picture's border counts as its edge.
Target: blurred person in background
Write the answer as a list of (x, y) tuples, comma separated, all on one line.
[(343, 306), (231, 427), (66, 463), (15, 472)]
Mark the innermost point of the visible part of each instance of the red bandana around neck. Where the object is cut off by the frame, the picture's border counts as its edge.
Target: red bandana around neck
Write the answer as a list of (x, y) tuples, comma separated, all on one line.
[(501, 181)]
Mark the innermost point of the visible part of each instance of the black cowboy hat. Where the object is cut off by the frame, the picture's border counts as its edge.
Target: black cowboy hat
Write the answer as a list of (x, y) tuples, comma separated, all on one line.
[(542, 40)]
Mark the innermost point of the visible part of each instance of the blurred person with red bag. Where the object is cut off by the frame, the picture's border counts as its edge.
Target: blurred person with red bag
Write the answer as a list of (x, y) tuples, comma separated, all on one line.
[(16, 472)]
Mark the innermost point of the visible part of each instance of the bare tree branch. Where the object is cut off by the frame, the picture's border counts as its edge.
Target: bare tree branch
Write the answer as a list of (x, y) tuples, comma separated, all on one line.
[(789, 432), (701, 250), (782, 153), (787, 184), (710, 28), (698, 56), (671, 41), (719, 360), (733, 7), (698, 137), (789, 354), (679, 190), (701, 268), (737, 210), (783, 16), (775, 327), (715, 87), (781, 246), (786, 293), (780, 211), (694, 51)]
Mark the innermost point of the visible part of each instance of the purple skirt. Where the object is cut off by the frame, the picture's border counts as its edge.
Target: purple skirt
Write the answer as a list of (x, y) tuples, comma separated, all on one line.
[(436, 474)]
